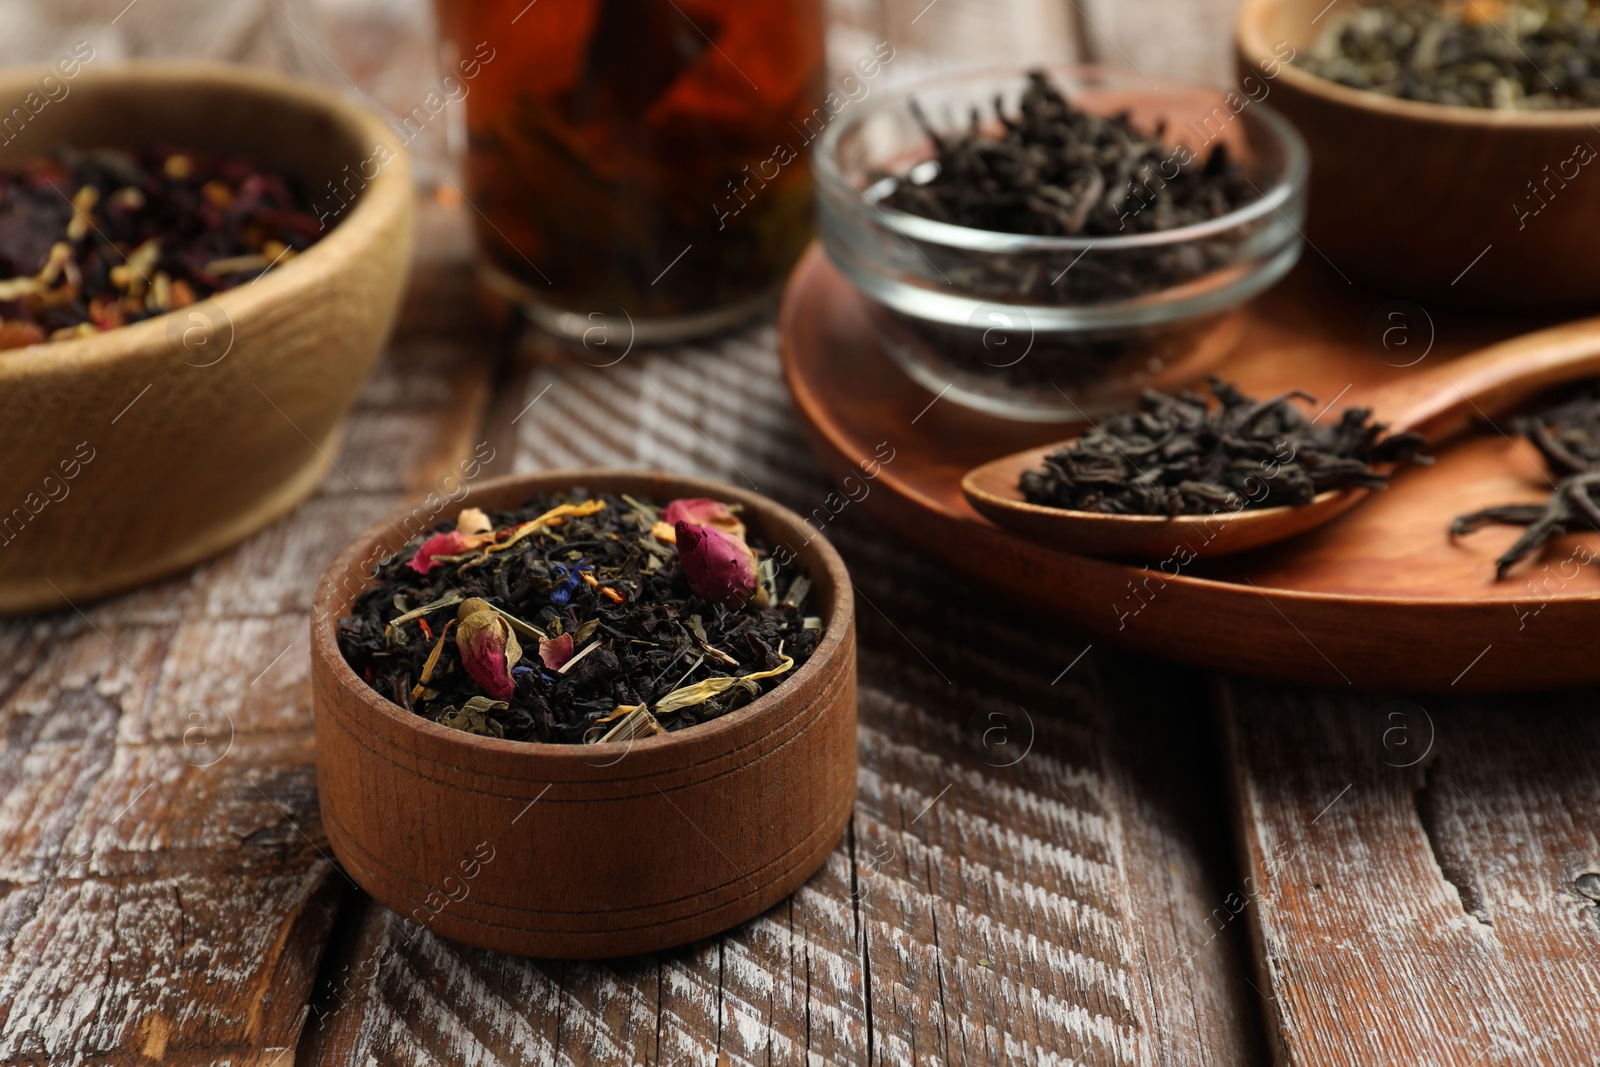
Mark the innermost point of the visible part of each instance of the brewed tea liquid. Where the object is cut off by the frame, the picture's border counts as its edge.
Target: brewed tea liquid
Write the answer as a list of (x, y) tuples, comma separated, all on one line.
[(647, 156)]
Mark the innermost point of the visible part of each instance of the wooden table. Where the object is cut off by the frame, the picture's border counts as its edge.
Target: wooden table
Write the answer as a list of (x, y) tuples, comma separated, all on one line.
[(1060, 854)]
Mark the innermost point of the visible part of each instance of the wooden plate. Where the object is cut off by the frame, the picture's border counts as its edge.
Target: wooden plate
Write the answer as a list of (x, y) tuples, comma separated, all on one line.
[(1382, 597), (579, 851)]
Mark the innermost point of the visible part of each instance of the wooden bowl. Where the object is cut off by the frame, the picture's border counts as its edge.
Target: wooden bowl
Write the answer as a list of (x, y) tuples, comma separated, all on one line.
[(142, 450), (589, 850), (1423, 199)]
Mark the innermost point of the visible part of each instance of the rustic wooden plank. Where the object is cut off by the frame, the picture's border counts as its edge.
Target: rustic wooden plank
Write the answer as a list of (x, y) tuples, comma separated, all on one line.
[(690, 1013), (1172, 805), (120, 965), (766, 1002), (431, 999), (165, 888), (1008, 861), (1422, 877)]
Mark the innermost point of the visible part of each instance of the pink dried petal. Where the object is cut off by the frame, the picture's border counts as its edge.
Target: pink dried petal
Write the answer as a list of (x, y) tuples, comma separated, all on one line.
[(555, 652), (441, 544), (717, 565), (701, 511), (472, 529)]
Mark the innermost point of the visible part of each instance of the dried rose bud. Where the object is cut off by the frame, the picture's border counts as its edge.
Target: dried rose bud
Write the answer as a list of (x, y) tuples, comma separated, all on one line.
[(488, 647), (701, 511), (554, 652), (718, 566)]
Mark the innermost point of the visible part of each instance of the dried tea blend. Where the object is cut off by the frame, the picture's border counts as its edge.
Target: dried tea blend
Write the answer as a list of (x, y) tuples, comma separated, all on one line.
[(1479, 53), (1568, 436), (1051, 170), (90, 241), (581, 619), (1177, 455)]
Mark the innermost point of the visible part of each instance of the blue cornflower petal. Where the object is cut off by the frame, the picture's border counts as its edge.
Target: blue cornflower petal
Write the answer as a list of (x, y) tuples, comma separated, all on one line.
[(569, 579)]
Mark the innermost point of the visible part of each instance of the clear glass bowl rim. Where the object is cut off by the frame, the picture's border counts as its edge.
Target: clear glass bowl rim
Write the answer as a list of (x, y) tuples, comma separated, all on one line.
[(1297, 166)]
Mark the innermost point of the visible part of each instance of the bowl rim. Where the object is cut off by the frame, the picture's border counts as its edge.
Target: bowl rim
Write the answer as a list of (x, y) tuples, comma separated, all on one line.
[(325, 645), (1291, 183), (344, 242), (1250, 40)]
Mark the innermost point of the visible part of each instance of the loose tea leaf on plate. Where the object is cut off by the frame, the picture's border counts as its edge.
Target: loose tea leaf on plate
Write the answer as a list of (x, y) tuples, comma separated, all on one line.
[(93, 240), (1178, 455), (1568, 436), (581, 619), (1479, 53)]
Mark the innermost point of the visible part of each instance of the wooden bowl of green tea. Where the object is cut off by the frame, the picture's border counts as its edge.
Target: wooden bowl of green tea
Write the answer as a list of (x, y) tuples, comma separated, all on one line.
[(138, 450), (588, 850), (1484, 207)]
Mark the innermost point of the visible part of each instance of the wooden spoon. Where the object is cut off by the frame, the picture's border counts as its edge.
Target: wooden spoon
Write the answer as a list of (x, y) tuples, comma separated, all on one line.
[(1437, 403)]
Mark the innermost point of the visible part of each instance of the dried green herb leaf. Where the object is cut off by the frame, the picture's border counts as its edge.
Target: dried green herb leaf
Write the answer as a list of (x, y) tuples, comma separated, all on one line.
[(525, 629), (799, 589), (702, 691), (635, 722), (449, 600), (649, 511), (473, 717)]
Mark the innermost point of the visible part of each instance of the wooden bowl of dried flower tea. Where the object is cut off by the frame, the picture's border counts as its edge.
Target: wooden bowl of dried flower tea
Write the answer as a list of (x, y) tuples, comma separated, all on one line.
[(1469, 189), (198, 266), (589, 713)]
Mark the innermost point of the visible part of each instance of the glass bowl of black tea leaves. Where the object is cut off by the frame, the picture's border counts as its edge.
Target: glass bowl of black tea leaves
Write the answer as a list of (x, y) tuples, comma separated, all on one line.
[(1043, 244)]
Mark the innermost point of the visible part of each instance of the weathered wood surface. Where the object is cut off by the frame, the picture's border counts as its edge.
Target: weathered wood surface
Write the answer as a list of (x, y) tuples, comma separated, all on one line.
[(1422, 877), (1079, 904), (1083, 904), (1021, 874), (167, 891), (165, 888)]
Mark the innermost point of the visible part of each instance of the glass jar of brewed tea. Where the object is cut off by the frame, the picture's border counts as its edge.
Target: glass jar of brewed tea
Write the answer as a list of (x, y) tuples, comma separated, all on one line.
[(638, 164)]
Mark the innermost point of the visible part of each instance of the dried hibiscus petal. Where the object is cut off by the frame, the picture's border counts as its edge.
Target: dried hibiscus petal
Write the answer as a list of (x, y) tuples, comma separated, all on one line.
[(445, 544), (554, 652), (472, 529)]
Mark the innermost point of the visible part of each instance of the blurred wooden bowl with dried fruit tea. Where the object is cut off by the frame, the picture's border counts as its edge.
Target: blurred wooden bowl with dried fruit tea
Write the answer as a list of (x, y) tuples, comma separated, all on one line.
[(142, 450)]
